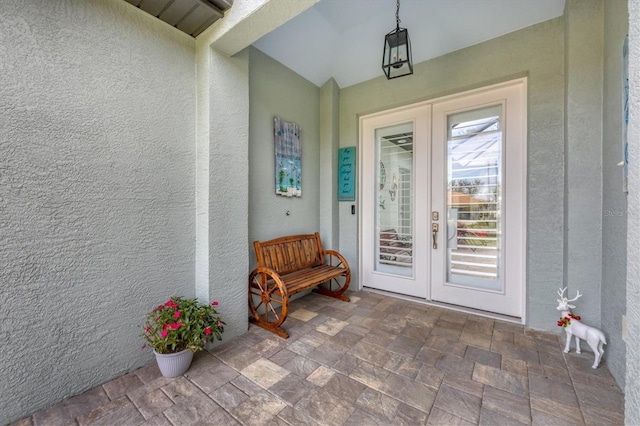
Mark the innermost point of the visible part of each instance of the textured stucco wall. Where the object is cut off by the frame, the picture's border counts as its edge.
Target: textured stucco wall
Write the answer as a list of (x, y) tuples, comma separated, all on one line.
[(225, 183), (329, 145), (583, 154), (275, 90), (614, 201), (632, 389), (97, 154), (537, 52)]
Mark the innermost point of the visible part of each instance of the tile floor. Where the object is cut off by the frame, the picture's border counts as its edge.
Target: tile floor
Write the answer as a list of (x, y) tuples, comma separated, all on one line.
[(375, 361)]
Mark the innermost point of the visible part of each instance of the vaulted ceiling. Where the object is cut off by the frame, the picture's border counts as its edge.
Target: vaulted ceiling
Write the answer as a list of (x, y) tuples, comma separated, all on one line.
[(344, 38)]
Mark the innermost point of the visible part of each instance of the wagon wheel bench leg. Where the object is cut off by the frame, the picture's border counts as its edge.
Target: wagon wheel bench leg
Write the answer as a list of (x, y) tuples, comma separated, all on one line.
[(268, 300), (337, 286)]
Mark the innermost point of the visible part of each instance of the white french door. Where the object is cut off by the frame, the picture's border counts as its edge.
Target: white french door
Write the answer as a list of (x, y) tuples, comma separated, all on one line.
[(443, 199), (394, 256)]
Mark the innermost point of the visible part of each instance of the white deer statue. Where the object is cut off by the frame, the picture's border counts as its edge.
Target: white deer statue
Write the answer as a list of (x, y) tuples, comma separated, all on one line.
[(594, 337)]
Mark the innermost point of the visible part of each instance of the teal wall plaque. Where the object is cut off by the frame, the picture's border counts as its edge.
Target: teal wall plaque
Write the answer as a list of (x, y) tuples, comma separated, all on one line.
[(347, 174)]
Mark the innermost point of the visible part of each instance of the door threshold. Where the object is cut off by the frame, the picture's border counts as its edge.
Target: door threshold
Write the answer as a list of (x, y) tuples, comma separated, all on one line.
[(449, 306)]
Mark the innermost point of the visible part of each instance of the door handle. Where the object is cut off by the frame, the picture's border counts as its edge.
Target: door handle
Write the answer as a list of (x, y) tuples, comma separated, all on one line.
[(434, 234)]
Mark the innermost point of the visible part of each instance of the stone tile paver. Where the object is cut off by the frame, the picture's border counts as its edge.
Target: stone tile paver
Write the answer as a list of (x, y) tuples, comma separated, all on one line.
[(378, 404), (228, 396), (374, 361), (405, 366), (332, 326), (126, 415), (361, 417), (264, 372), (409, 416), (443, 418), (346, 388), (458, 403), (325, 408), (564, 411), (118, 387), (291, 389), (321, 376), (491, 418), (152, 403), (497, 378), (303, 314), (506, 404), (301, 366)]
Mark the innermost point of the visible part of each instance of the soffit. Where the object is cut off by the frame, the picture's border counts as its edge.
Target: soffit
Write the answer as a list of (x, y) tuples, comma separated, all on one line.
[(189, 16)]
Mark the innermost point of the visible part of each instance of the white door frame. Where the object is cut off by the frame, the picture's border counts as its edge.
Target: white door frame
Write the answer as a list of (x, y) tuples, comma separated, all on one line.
[(521, 188)]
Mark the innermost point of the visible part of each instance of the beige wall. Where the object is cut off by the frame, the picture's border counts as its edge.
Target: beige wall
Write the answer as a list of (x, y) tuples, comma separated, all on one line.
[(275, 90)]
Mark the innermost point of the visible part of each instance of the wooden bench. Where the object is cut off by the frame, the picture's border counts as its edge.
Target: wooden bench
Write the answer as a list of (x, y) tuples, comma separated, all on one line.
[(289, 265)]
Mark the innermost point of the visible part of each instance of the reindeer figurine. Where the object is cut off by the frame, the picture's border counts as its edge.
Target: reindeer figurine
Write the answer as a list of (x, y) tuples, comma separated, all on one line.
[(594, 337)]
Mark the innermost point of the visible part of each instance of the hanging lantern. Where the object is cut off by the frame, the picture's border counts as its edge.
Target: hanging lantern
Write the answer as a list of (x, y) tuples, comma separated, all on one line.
[(396, 58)]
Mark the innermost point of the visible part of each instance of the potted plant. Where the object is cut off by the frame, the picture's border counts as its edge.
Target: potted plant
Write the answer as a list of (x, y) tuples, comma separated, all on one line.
[(177, 329)]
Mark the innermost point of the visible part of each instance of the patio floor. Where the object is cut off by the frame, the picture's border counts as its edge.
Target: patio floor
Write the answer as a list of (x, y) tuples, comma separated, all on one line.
[(375, 361)]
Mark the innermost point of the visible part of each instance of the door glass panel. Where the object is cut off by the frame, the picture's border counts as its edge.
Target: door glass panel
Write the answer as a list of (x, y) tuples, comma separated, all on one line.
[(474, 198), (395, 195)]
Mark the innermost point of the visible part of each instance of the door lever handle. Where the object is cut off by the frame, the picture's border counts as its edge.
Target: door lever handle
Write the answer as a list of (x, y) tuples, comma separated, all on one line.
[(434, 234)]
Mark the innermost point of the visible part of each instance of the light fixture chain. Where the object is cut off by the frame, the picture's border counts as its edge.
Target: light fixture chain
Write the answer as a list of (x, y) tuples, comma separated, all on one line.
[(397, 14)]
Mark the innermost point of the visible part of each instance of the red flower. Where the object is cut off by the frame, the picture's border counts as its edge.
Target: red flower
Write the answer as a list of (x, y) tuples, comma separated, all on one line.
[(175, 325), (165, 326), (207, 331), (164, 333), (214, 303), (219, 324), (176, 314), (147, 329)]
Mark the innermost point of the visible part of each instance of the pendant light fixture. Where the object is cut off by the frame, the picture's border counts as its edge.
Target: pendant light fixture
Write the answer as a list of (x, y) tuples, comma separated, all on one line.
[(396, 58)]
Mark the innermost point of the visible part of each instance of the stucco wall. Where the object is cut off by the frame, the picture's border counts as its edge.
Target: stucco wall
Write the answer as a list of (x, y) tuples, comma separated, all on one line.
[(227, 186), (537, 52), (275, 90), (632, 389), (329, 146), (614, 201), (583, 155), (97, 159)]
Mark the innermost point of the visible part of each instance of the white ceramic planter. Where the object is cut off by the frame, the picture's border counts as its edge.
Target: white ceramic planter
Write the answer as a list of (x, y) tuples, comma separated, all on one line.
[(174, 365)]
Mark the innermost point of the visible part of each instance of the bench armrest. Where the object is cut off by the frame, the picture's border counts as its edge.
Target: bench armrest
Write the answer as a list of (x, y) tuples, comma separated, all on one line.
[(340, 260)]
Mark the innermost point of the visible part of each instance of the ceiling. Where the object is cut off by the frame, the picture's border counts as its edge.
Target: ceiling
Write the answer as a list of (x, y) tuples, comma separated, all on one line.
[(189, 16), (344, 39)]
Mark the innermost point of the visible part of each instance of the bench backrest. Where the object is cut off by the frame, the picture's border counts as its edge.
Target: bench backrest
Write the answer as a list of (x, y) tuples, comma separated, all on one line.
[(289, 254)]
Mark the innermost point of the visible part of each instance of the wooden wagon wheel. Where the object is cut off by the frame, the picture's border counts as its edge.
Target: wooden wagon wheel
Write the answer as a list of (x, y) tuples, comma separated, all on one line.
[(268, 300), (336, 286)]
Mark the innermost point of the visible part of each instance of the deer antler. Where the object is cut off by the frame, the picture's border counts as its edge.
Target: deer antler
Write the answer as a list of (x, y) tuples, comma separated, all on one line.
[(561, 294), (578, 295)]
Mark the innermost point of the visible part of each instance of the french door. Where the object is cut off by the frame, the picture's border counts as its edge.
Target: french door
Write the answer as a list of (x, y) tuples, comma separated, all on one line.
[(395, 167), (443, 199)]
